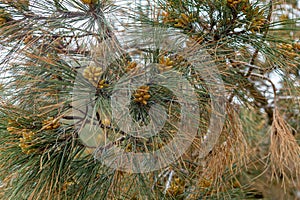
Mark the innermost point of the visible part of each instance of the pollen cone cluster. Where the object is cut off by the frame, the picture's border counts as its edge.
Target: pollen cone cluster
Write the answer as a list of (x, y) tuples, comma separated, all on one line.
[(233, 3), (2, 21), (92, 74), (183, 21), (26, 141), (142, 95), (289, 49), (102, 84), (51, 124), (297, 46), (177, 187), (28, 39), (131, 66), (4, 16), (165, 64), (89, 2), (257, 24), (166, 18)]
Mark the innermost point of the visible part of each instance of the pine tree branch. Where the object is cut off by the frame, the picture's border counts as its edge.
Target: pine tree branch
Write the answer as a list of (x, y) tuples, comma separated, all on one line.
[(267, 22)]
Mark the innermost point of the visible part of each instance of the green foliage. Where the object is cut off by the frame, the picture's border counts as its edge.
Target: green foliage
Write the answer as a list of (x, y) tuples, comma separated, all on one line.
[(62, 60)]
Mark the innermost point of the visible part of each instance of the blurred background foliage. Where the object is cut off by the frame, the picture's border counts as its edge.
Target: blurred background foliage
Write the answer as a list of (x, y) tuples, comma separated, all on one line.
[(49, 46)]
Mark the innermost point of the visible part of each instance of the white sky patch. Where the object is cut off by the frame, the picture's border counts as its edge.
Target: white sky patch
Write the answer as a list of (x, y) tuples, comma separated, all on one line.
[(260, 56), (276, 78)]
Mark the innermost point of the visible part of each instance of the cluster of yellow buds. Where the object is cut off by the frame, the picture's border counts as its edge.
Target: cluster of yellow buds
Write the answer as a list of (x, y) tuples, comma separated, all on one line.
[(102, 84), (11, 127), (257, 24), (131, 66), (165, 64), (205, 183), (183, 21), (89, 2), (4, 16), (25, 141), (176, 187), (12, 130), (288, 49), (243, 4), (233, 3), (157, 144), (167, 18), (297, 46), (106, 122), (283, 17), (2, 21), (51, 123), (92, 74), (128, 147), (28, 39), (142, 95), (67, 184)]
